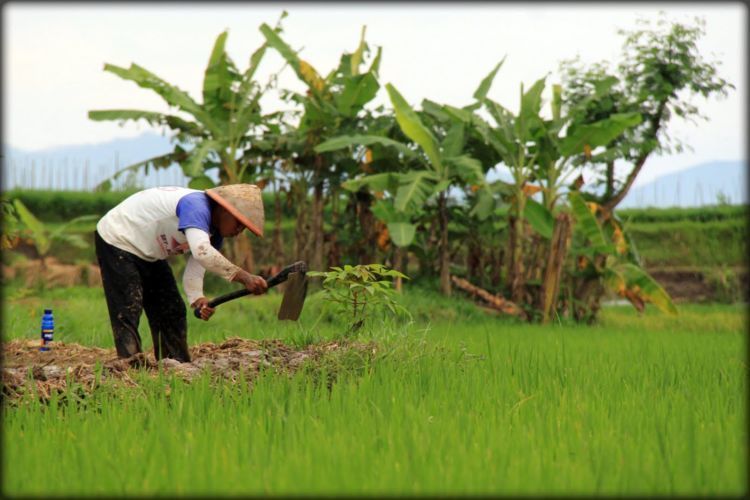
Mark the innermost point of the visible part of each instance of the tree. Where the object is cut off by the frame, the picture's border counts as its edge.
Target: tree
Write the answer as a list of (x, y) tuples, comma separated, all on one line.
[(660, 71), (433, 168), (218, 131), (332, 106)]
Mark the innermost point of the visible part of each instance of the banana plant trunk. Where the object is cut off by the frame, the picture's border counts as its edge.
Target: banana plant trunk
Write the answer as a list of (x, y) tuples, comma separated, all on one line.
[(302, 240), (243, 252), (587, 295), (445, 277), (334, 247), (398, 261), (515, 276), (278, 247), (318, 237), (555, 260), (367, 221)]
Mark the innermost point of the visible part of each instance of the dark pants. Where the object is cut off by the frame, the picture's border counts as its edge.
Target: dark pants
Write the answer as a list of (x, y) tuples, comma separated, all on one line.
[(132, 285)]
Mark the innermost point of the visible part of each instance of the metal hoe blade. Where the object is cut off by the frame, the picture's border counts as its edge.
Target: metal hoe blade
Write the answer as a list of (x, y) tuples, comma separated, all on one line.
[(294, 297)]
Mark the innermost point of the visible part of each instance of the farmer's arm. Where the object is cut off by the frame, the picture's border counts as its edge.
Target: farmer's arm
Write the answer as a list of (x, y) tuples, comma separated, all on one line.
[(205, 256)]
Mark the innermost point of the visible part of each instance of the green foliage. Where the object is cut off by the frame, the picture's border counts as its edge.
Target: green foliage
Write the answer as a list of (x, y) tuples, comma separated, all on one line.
[(605, 251), (689, 242), (11, 230), (42, 236), (660, 71), (60, 206), (676, 214), (354, 288), (221, 127)]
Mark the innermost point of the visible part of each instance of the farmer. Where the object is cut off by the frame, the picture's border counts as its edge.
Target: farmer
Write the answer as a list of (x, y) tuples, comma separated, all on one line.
[(133, 241)]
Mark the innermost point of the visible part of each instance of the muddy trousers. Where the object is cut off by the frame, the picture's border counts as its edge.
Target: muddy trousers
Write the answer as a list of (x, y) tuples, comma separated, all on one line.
[(133, 285)]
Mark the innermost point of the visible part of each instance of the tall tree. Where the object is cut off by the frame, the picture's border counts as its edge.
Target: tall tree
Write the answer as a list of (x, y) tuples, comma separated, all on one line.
[(660, 71)]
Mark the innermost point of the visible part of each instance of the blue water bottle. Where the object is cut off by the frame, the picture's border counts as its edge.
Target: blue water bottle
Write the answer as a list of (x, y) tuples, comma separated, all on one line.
[(48, 329)]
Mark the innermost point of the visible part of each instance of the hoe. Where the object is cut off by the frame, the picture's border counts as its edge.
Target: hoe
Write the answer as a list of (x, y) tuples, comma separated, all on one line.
[(294, 294)]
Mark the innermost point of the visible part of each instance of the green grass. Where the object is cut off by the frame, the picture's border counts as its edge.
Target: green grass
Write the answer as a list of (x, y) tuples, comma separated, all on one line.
[(690, 243), (456, 403)]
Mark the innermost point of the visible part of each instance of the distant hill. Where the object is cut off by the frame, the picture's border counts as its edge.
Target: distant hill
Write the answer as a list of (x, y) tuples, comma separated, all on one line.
[(83, 166), (702, 184)]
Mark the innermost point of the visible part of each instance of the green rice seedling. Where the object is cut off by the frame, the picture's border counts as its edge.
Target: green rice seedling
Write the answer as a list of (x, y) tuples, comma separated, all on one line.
[(459, 404)]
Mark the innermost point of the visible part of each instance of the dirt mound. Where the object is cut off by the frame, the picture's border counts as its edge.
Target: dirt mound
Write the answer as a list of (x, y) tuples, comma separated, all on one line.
[(26, 369)]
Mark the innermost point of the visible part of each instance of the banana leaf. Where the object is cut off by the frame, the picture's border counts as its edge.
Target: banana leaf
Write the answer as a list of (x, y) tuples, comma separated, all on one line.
[(485, 204), (170, 93), (635, 284), (435, 110), (161, 161), (597, 134), (540, 219), (466, 168), (415, 188), (377, 182), (358, 91), (385, 211), (531, 105), (587, 224), (481, 93), (460, 114), (412, 126), (37, 228), (193, 166), (344, 141), (402, 233), (254, 63), (218, 80), (153, 118), (454, 141), (358, 54), (201, 182), (375, 66), (303, 69)]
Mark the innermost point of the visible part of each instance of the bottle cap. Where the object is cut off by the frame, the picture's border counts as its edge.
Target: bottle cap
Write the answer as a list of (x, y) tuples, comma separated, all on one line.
[(48, 311)]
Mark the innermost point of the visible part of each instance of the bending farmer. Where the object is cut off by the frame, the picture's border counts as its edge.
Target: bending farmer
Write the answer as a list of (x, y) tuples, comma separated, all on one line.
[(133, 241)]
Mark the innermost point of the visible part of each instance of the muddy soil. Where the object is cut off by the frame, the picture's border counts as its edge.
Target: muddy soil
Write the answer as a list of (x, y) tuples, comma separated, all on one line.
[(26, 370), (697, 286)]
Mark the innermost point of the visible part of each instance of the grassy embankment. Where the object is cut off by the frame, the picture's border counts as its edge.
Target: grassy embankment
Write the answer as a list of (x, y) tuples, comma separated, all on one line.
[(455, 403)]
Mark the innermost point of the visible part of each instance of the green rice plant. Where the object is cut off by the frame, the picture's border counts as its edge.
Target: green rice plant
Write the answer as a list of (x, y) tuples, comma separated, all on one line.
[(631, 407)]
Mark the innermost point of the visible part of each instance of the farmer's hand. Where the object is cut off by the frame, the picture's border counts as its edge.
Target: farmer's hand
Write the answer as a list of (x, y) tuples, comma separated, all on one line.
[(202, 305), (255, 284)]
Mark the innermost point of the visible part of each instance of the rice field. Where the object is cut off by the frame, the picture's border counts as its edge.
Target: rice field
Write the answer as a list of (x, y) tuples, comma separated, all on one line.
[(454, 403)]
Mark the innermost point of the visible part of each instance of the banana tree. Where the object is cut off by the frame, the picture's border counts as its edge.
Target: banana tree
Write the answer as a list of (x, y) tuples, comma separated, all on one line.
[(605, 256), (42, 236), (332, 106), (211, 135), (433, 168), (539, 153)]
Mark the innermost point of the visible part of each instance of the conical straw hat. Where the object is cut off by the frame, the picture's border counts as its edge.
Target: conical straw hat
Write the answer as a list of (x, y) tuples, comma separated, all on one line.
[(244, 202)]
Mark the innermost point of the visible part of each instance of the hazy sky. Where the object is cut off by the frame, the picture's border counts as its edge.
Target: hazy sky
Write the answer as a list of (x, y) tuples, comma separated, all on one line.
[(53, 55)]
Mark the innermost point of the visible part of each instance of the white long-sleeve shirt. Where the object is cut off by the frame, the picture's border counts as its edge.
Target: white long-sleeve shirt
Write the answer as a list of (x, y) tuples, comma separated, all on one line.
[(156, 223)]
